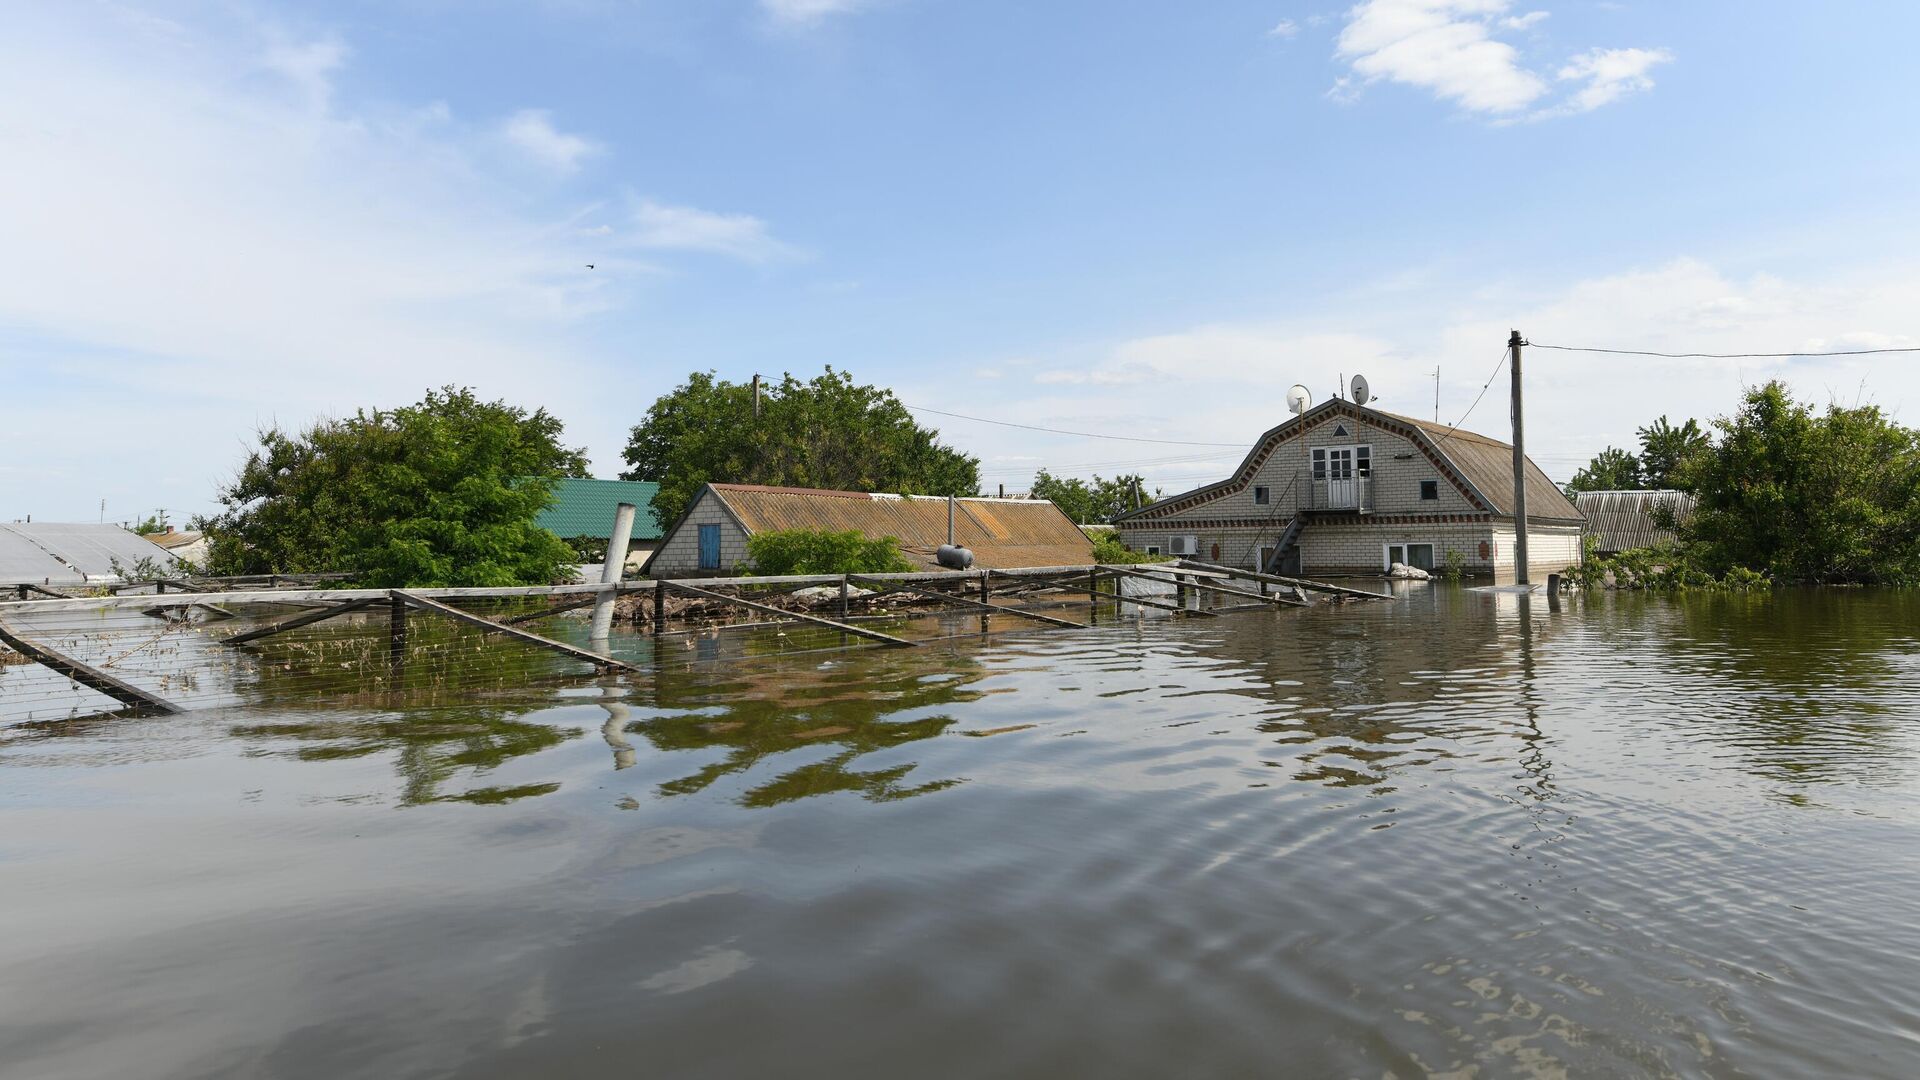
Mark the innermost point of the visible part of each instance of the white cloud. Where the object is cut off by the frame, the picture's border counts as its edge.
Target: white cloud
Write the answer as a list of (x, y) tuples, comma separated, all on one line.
[(1452, 49), (684, 228), (309, 66), (1610, 74), (531, 131), (1445, 46), (188, 243), (807, 12), (1231, 378), (1285, 28)]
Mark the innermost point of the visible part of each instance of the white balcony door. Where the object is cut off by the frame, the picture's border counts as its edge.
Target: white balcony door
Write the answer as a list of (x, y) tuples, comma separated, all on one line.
[(1342, 491)]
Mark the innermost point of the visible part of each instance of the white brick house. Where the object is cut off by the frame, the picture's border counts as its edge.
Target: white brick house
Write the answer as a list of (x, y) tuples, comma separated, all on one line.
[(1344, 489)]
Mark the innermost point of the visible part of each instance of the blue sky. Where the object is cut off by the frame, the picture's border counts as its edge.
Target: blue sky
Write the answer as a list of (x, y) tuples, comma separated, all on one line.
[(1140, 219)]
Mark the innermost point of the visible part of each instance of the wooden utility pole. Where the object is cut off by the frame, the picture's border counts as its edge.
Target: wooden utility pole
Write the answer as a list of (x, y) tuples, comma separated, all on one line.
[(756, 397), (1519, 468)]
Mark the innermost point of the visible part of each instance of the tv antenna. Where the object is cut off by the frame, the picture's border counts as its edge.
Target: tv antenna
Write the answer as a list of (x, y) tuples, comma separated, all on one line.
[(1361, 394)]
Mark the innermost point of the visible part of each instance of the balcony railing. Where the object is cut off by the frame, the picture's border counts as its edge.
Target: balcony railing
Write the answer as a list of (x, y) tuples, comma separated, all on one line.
[(1329, 493)]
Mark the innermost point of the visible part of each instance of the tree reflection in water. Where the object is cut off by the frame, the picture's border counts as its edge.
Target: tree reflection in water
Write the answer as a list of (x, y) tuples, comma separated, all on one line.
[(758, 717)]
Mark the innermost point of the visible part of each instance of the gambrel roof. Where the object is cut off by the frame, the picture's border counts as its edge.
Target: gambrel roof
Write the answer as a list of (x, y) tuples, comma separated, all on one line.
[(1480, 467)]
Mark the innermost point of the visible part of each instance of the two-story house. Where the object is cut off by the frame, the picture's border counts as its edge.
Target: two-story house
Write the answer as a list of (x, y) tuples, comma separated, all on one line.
[(1344, 489)]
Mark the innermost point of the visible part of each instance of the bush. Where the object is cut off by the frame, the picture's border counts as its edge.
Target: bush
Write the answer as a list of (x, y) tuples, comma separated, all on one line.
[(1108, 550), (1456, 564), (817, 551)]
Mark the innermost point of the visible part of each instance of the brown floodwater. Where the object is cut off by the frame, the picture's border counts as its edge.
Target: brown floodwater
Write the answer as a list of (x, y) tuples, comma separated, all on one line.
[(1459, 834)]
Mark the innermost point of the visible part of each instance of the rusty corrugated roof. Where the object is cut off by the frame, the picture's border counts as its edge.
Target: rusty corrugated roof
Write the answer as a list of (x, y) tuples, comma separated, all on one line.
[(1001, 533), (1623, 520)]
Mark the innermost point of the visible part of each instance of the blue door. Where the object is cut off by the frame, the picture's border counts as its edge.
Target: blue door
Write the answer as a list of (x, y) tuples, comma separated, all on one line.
[(709, 547)]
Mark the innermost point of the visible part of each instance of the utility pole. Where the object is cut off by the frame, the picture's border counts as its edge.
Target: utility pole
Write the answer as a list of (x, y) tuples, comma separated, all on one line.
[(756, 397), (1519, 468), (1436, 393)]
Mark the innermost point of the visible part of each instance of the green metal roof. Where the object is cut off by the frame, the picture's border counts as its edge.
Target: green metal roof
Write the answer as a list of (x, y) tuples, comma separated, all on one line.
[(585, 508)]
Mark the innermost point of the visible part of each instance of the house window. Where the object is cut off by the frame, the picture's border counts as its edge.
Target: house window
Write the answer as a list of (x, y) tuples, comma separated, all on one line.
[(1363, 460), (1429, 490), (1319, 463), (1153, 549), (1418, 556), (1259, 496)]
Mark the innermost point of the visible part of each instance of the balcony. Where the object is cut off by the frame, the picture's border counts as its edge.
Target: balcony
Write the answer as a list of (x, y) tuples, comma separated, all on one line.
[(1352, 492)]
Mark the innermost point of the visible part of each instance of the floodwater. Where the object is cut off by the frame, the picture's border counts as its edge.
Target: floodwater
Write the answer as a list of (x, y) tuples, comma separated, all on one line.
[(1455, 835)]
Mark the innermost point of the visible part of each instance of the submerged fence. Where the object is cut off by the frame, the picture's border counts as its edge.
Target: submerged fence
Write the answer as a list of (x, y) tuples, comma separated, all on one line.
[(182, 645)]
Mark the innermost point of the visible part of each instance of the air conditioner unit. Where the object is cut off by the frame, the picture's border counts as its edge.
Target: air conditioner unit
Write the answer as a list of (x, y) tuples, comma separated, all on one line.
[(1186, 545)]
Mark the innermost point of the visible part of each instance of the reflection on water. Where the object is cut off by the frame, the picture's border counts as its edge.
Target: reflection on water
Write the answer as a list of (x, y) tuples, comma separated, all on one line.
[(1462, 834)]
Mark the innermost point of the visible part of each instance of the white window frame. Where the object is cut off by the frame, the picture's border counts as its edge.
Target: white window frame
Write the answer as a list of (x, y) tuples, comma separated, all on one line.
[(1262, 495), (1153, 549), (1386, 552)]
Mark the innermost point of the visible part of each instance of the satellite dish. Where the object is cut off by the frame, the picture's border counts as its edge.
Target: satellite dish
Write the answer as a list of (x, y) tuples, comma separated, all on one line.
[(1298, 399), (1361, 395)]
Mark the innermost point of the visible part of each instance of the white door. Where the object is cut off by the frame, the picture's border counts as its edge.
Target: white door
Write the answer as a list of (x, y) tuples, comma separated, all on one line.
[(1342, 492)]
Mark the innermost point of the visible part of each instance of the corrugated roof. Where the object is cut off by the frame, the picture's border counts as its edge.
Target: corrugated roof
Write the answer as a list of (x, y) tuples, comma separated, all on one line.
[(1001, 533), (71, 554), (585, 508), (1488, 464), (1623, 520)]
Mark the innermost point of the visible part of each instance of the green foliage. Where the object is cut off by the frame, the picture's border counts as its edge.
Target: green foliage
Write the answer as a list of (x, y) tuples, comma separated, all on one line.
[(1659, 569), (147, 568), (1093, 503), (442, 492), (829, 432), (1669, 455), (1456, 564), (817, 551), (150, 526), (1807, 496), (1611, 469), (1109, 551), (587, 549)]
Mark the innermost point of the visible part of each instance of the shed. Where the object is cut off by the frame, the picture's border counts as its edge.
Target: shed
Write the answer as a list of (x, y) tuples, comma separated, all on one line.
[(1623, 520), (585, 508), (711, 537)]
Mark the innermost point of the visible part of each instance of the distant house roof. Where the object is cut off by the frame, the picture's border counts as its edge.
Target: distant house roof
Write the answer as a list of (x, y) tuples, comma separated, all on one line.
[(1481, 467), (1001, 533), (585, 508), (1623, 520), (60, 553), (173, 538)]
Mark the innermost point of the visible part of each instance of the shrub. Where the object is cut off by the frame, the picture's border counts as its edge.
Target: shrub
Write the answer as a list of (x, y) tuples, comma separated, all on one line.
[(818, 551), (1456, 564), (1108, 550)]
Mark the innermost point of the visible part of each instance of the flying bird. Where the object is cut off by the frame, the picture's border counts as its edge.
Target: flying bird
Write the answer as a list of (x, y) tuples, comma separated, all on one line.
[(589, 266)]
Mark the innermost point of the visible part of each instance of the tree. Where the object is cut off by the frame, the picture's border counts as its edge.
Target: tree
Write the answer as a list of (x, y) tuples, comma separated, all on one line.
[(442, 492), (1668, 454), (1806, 496), (829, 432), (1611, 469), (1091, 504)]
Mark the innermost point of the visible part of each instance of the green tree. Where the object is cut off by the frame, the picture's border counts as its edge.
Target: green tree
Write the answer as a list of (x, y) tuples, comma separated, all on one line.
[(817, 551), (442, 492), (1093, 503), (1668, 454), (1807, 496), (829, 432), (1611, 469)]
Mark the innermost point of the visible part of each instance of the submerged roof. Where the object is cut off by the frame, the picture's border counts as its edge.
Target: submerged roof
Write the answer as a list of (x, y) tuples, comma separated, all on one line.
[(60, 553), (585, 508), (1623, 520), (1482, 467), (1001, 533)]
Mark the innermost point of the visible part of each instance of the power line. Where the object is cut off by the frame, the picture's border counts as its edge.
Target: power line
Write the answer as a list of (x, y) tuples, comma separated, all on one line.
[(1720, 356), (1455, 426), (1058, 431)]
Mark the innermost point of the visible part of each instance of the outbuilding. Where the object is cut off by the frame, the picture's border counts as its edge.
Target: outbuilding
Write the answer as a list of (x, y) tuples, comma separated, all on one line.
[(583, 509), (1624, 520), (1343, 489), (711, 537)]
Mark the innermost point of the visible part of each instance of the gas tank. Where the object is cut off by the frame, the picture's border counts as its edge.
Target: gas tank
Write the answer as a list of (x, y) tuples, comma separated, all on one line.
[(953, 557)]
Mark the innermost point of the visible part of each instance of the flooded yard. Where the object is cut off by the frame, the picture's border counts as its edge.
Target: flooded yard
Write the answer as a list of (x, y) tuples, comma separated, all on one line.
[(1459, 834)]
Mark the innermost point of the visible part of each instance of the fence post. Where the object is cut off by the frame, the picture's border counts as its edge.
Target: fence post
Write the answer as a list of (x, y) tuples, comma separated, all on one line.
[(843, 597), (396, 637), (612, 569), (659, 607)]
